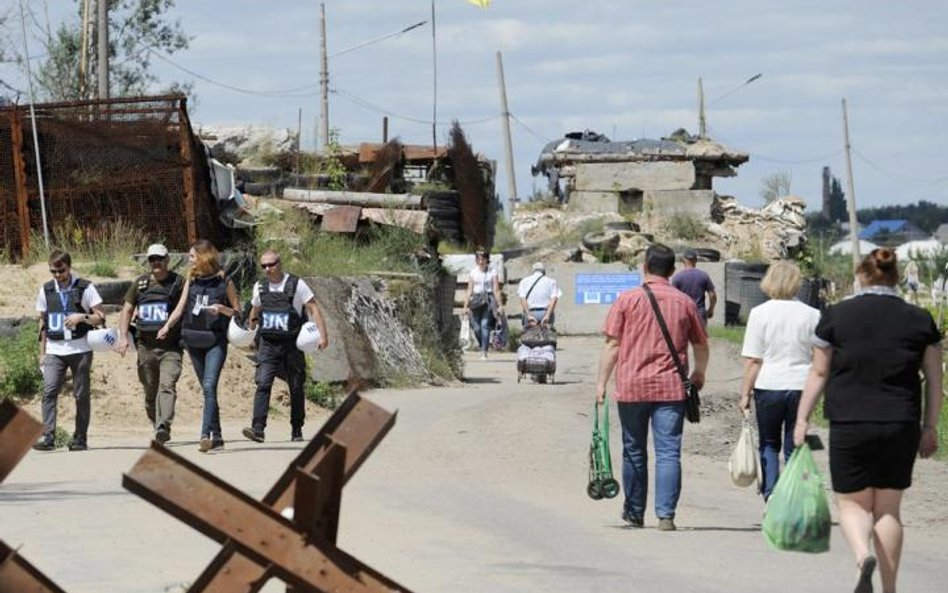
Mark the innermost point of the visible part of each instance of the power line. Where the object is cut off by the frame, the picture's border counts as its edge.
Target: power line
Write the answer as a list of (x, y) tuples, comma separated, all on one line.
[(529, 130), (287, 93), (895, 175), (365, 104), (807, 161)]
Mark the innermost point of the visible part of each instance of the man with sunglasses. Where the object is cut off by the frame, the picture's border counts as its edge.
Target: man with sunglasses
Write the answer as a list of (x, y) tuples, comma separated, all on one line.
[(149, 301), (277, 305), (68, 308)]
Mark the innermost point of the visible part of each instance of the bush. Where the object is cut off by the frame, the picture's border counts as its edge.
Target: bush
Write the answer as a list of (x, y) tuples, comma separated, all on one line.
[(683, 225), (324, 395), (19, 364)]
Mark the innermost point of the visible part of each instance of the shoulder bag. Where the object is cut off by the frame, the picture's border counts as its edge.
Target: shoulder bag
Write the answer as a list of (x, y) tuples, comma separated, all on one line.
[(479, 300), (692, 399)]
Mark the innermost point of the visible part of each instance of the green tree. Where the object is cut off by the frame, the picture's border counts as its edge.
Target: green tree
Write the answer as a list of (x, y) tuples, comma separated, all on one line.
[(136, 27), (776, 185), (837, 204)]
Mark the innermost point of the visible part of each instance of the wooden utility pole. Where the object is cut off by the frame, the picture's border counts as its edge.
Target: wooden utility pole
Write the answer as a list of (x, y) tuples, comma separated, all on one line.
[(323, 80), (851, 193), (102, 33), (508, 145), (434, 81), (84, 49), (701, 121)]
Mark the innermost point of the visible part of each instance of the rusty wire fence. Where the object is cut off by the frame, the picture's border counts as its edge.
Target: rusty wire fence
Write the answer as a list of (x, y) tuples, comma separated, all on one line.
[(130, 159)]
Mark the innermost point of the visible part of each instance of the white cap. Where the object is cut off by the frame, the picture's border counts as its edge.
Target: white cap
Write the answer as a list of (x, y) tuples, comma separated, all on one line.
[(157, 249), (539, 267), (102, 340)]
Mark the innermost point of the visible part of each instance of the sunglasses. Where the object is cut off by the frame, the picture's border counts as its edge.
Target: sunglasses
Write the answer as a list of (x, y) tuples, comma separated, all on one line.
[(57, 271), (155, 258), (271, 265)]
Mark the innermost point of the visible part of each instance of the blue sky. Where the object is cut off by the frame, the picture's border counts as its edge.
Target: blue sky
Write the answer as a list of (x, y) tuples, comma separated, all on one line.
[(626, 68)]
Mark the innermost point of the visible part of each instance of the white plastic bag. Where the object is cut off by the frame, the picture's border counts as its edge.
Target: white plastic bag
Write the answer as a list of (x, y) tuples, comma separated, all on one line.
[(466, 336), (744, 464)]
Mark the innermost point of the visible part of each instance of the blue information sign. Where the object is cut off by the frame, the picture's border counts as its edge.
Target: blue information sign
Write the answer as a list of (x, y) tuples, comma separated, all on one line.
[(604, 289)]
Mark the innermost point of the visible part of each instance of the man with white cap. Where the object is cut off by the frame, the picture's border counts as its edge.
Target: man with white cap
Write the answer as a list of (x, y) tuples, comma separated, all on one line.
[(277, 305), (538, 296), (149, 301)]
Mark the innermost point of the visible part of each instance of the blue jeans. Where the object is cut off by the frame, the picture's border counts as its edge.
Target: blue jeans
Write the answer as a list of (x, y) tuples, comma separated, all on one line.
[(481, 320), (667, 419), (207, 366), (537, 315), (776, 413)]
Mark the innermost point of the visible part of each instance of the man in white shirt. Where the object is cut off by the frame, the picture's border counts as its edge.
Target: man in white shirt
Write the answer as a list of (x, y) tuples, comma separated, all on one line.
[(277, 305), (538, 296), (68, 308)]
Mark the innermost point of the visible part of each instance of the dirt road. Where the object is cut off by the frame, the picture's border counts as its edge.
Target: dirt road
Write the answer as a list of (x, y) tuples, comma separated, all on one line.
[(479, 487)]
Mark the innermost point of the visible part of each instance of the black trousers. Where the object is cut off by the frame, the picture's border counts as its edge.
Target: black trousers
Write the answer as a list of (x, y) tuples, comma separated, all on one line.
[(279, 359)]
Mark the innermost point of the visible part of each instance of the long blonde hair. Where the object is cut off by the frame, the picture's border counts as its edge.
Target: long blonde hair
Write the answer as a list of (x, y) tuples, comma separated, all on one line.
[(207, 259)]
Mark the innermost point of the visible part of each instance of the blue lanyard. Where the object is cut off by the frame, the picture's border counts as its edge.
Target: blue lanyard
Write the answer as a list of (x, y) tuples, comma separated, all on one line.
[(64, 295)]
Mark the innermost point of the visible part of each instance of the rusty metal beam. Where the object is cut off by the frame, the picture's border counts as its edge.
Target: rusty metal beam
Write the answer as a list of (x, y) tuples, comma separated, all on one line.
[(18, 432), (113, 101), (19, 576), (19, 176), (222, 512), (360, 425), (187, 172)]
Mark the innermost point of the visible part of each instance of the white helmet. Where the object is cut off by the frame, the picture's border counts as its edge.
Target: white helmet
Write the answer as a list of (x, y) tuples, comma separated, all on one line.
[(240, 336), (103, 340), (309, 337)]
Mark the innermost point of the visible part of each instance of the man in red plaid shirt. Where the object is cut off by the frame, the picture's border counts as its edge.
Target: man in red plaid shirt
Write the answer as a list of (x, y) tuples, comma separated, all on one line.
[(648, 388)]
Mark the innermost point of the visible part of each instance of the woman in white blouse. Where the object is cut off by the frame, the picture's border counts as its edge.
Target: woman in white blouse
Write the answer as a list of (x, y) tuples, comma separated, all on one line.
[(483, 299)]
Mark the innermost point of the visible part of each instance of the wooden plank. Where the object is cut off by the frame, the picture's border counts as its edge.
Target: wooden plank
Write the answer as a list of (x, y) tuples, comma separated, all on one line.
[(353, 198), (341, 219)]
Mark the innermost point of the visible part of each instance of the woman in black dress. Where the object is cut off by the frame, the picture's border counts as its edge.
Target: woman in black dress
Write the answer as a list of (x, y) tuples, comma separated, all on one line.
[(869, 349)]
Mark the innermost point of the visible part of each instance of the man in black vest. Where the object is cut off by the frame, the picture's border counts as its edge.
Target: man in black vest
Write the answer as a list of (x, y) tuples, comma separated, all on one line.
[(277, 306), (68, 308), (150, 300)]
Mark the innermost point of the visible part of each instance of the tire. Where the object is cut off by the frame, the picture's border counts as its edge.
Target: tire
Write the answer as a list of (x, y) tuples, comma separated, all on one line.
[(610, 488), (113, 293), (606, 241), (708, 255), (594, 490), (440, 199)]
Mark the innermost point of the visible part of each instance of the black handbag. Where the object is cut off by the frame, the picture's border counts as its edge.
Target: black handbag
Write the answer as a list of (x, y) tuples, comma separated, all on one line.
[(479, 300), (692, 399)]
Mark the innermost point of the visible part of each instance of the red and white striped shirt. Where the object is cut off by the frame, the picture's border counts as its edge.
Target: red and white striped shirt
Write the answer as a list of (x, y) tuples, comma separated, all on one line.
[(645, 371)]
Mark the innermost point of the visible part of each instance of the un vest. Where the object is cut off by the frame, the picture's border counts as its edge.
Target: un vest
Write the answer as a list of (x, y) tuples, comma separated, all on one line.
[(279, 320), (156, 301), (55, 317), (206, 291)]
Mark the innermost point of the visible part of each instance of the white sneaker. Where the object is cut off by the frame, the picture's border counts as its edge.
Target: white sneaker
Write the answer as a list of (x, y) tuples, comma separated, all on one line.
[(483, 356)]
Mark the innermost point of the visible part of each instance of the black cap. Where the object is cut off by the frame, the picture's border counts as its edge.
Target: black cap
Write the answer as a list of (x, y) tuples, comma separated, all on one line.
[(690, 255)]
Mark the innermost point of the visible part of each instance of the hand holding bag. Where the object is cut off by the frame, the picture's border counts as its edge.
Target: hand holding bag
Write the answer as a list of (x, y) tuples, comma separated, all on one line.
[(744, 464), (692, 399)]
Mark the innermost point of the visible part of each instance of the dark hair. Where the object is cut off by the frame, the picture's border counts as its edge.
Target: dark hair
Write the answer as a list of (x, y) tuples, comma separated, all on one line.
[(659, 260), (879, 268), (58, 257)]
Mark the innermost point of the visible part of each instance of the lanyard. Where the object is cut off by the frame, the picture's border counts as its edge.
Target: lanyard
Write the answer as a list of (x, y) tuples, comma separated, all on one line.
[(64, 295)]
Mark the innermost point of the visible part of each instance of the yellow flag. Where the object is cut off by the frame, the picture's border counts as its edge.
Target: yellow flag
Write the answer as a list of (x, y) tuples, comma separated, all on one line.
[(481, 3)]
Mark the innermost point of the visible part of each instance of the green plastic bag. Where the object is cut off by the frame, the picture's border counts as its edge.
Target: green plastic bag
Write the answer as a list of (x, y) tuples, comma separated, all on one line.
[(798, 516)]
